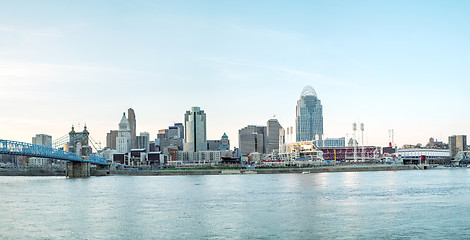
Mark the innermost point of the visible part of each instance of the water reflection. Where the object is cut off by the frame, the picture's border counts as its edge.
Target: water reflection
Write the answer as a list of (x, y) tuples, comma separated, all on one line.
[(286, 206)]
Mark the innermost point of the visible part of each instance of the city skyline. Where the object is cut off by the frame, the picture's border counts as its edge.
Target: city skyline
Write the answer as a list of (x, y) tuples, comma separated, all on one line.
[(397, 65)]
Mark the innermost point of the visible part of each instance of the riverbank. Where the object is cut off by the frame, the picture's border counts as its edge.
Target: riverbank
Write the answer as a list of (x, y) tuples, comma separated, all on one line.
[(14, 171), (193, 171), (342, 168)]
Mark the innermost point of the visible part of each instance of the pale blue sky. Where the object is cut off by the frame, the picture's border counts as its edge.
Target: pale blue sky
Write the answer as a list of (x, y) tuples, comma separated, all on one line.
[(399, 65)]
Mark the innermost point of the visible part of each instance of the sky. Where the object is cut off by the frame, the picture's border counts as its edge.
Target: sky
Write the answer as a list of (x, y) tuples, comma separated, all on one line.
[(401, 65)]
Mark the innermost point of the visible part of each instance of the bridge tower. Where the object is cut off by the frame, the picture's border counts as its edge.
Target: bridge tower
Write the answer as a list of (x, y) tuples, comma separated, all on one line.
[(79, 144)]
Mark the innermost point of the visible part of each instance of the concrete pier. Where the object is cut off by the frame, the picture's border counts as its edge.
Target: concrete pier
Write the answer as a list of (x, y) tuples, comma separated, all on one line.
[(77, 169)]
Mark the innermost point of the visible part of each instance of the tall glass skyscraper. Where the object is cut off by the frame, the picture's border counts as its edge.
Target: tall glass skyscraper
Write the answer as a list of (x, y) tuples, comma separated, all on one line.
[(309, 116), (195, 130)]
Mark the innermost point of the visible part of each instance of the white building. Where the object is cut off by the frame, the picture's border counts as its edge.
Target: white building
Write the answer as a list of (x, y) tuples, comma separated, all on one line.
[(416, 153), (123, 140), (300, 151)]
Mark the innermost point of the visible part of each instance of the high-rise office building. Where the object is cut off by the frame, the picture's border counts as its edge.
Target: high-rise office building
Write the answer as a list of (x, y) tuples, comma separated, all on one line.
[(252, 139), (143, 141), (457, 143), (111, 139), (309, 116), (132, 126), (42, 139), (273, 130), (195, 130), (123, 140)]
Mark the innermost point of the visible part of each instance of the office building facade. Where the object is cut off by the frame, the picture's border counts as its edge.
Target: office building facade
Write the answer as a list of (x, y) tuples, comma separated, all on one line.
[(42, 139), (309, 116), (457, 143), (195, 130), (143, 141), (111, 139), (252, 139), (273, 129)]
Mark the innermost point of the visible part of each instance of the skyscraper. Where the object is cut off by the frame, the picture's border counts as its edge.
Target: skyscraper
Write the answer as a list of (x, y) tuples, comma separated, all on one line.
[(111, 139), (195, 130), (132, 126), (273, 130), (42, 139), (123, 141), (143, 141), (457, 143), (252, 139), (309, 116)]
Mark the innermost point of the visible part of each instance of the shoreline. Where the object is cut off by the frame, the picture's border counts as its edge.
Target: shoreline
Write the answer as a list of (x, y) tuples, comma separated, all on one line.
[(343, 168), (356, 168)]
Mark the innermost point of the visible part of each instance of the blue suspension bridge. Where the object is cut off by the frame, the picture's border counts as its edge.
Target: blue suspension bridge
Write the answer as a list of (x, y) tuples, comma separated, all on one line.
[(45, 151), (78, 157)]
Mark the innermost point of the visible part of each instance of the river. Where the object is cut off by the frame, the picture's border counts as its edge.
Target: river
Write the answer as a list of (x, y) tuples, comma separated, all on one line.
[(430, 204)]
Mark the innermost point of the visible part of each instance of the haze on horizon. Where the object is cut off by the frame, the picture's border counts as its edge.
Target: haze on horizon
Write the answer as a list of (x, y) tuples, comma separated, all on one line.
[(393, 65)]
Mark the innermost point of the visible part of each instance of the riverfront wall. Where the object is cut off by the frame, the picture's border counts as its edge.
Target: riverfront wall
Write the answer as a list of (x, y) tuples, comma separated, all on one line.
[(106, 172), (268, 170)]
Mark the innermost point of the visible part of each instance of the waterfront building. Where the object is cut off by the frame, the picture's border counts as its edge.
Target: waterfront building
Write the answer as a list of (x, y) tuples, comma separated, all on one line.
[(305, 151), (431, 156), (309, 117), (273, 130), (195, 130), (209, 157), (123, 140), (132, 126), (138, 156), (457, 143), (186, 158), (111, 139), (334, 142), (252, 139)]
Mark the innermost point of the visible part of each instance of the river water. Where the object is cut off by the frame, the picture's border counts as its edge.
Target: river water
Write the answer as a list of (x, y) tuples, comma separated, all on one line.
[(430, 204)]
